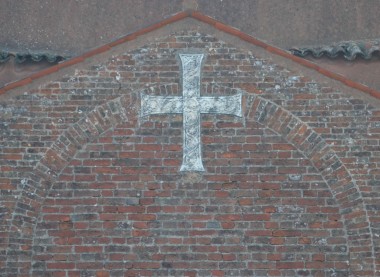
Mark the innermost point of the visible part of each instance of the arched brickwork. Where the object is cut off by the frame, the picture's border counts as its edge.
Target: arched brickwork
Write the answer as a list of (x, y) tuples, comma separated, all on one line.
[(46, 171), (269, 114), (335, 174)]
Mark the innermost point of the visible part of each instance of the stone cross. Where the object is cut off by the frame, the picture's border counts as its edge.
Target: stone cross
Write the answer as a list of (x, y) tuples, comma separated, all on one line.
[(191, 105)]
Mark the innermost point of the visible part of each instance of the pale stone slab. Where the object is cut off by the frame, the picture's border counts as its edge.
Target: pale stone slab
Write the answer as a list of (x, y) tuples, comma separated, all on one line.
[(191, 105)]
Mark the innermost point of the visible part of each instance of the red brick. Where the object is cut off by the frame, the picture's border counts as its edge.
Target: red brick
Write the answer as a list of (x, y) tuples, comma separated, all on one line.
[(229, 217), (256, 217), (274, 257), (142, 217), (245, 202), (319, 257), (217, 273), (228, 225), (242, 211), (289, 265), (61, 265), (286, 233), (89, 249), (333, 224), (141, 233), (112, 217), (148, 147), (102, 273), (277, 241), (304, 241), (146, 265)]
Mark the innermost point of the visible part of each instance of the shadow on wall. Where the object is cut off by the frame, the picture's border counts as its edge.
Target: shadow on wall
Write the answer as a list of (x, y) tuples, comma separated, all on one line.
[(12, 71)]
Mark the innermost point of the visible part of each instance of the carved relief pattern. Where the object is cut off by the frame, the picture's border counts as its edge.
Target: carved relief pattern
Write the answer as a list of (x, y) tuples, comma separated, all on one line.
[(191, 71), (191, 105), (160, 104), (221, 105)]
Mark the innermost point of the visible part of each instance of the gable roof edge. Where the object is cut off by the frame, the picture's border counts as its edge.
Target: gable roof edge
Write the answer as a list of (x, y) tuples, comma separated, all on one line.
[(205, 19)]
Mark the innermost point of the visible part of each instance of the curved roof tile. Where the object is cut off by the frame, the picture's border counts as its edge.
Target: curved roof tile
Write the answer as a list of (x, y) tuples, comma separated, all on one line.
[(365, 49), (36, 57)]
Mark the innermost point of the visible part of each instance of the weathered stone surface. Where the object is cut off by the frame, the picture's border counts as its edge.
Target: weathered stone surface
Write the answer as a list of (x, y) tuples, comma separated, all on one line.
[(191, 105)]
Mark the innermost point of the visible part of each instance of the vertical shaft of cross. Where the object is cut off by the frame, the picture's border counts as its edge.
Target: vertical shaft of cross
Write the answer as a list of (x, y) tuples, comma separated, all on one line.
[(192, 152)]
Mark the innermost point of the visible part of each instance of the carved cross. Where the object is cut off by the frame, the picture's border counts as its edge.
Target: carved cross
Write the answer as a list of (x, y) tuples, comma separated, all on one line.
[(191, 105)]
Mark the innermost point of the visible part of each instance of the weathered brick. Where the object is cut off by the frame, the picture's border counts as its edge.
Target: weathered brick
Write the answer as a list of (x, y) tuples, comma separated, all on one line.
[(295, 177)]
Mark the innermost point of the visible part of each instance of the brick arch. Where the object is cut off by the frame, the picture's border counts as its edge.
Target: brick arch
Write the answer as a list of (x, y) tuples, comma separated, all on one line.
[(267, 113), (343, 187), (40, 181)]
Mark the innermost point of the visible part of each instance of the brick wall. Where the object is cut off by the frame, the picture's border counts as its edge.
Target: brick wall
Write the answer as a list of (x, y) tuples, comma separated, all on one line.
[(91, 189)]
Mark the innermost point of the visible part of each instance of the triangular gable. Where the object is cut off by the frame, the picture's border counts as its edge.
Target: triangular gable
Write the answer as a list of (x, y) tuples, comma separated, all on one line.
[(300, 132), (202, 18)]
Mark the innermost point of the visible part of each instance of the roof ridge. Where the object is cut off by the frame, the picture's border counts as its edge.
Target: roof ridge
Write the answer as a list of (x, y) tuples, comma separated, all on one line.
[(203, 18)]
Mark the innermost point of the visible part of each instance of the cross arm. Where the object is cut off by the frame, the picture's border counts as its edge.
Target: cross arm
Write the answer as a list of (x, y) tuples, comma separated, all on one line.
[(152, 104), (222, 104)]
